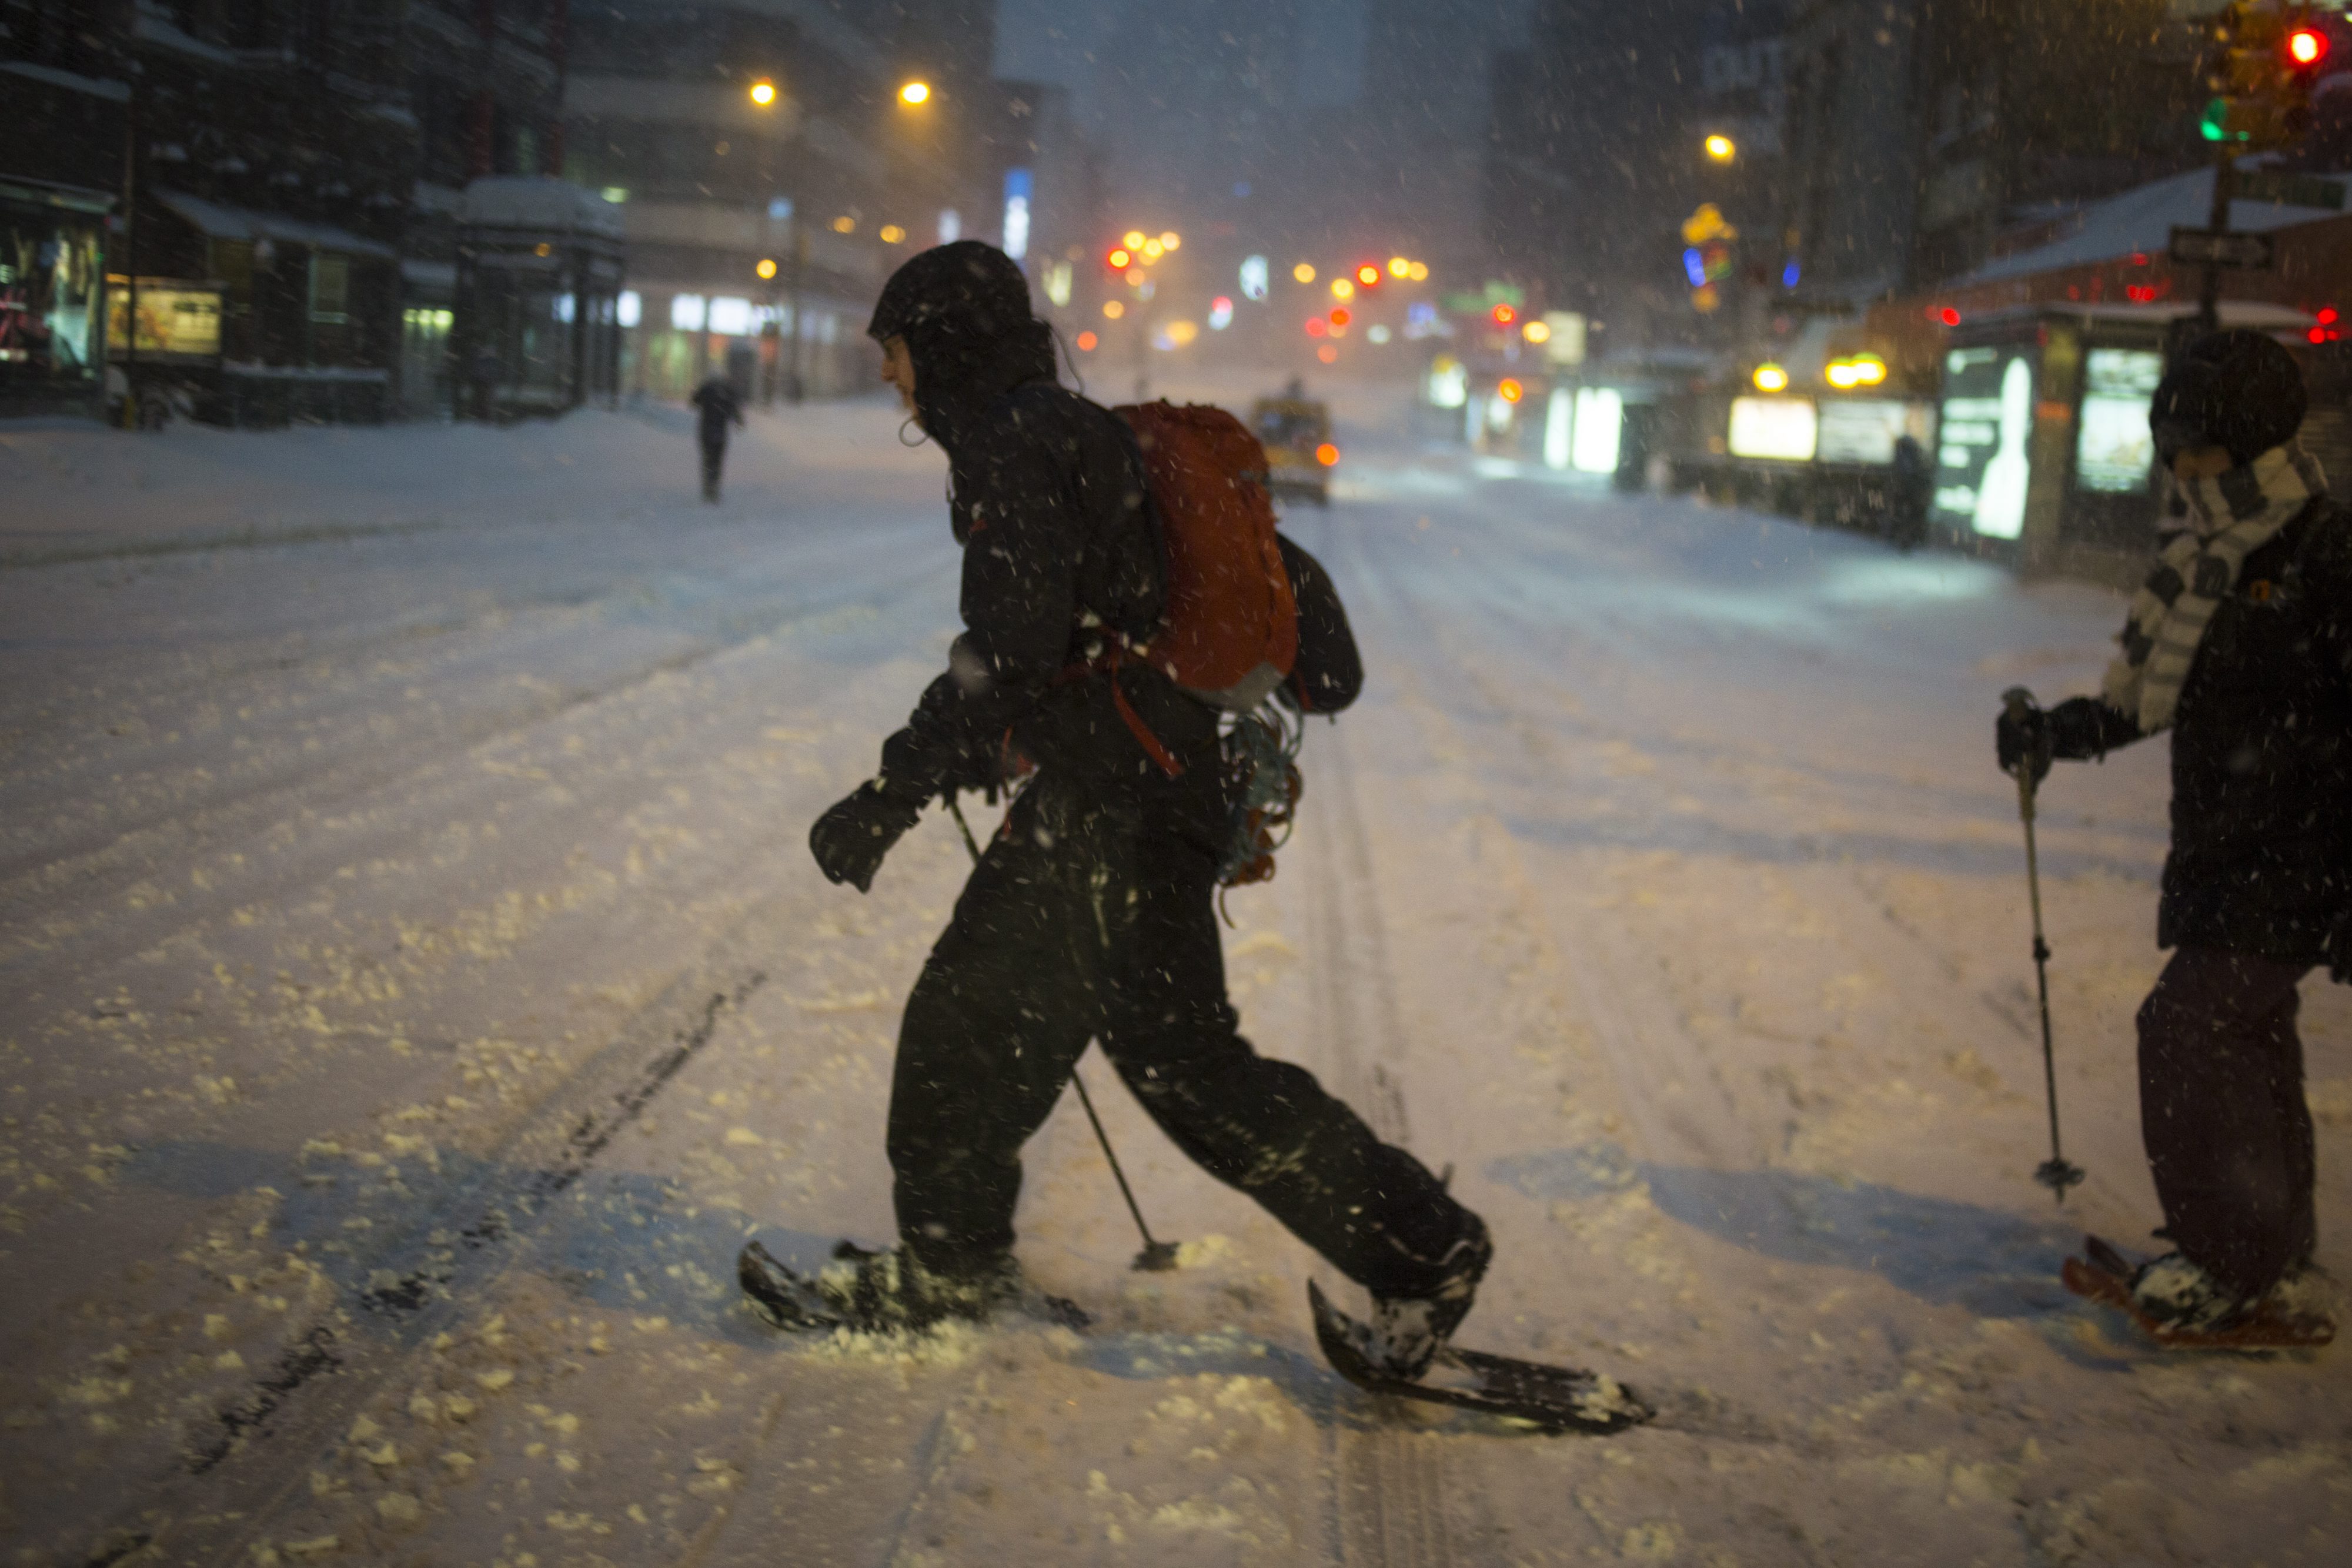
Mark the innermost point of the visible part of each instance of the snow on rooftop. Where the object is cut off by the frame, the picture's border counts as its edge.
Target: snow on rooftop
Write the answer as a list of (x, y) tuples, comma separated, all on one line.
[(2142, 220)]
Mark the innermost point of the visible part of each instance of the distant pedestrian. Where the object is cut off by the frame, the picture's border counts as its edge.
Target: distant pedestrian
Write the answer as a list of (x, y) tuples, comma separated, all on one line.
[(720, 405), (1908, 489), (484, 372), (2239, 644)]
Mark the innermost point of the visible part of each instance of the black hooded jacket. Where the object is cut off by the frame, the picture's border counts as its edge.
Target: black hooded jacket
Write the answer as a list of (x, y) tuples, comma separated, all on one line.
[(2262, 754), (1062, 556)]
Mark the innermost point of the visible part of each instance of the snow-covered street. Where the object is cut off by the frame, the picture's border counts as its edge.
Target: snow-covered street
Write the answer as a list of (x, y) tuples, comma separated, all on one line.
[(415, 986)]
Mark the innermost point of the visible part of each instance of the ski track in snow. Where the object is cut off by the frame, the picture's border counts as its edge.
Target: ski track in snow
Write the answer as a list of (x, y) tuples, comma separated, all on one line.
[(413, 987)]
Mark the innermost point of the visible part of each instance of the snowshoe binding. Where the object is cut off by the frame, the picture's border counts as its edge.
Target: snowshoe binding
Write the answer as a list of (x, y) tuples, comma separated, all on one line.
[(2181, 1307), (1408, 1331), (1551, 1399)]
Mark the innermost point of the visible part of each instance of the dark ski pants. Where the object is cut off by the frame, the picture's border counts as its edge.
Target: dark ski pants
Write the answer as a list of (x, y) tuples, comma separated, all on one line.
[(1088, 920), (2222, 1113), (714, 456)]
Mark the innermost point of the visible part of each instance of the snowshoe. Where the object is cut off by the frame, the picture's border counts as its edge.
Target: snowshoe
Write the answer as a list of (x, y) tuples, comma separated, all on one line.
[(1551, 1398), (2180, 1307), (889, 1291)]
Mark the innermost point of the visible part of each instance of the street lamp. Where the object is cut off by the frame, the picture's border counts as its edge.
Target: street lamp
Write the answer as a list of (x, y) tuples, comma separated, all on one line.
[(1721, 149), (915, 92), (764, 93)]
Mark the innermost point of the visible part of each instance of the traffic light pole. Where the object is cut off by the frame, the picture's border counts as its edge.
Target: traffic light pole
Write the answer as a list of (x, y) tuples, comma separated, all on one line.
[(2225, 190)]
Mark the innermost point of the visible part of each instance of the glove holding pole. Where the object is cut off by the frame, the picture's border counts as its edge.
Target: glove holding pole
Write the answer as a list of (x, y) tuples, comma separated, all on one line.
[(2021, 741)]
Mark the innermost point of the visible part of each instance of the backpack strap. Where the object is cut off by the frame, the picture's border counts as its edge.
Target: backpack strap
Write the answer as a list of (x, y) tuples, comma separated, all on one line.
[(1107, 664)]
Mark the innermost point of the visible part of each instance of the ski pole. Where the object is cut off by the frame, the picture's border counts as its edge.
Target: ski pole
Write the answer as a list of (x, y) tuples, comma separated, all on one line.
[(1157, 1256), (2054, 1172)]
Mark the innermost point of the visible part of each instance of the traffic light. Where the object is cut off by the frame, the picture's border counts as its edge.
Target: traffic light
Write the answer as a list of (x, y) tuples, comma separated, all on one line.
[(1504, 315), (1121, 258), (2259, 65), (1368, 275)]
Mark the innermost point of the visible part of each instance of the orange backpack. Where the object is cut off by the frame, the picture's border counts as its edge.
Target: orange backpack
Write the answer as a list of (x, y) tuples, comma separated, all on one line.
[(1231, 626)]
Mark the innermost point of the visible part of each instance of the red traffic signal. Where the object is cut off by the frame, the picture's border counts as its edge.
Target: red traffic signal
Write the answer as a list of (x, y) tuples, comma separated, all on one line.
[(1121, 258), (1504, 315), (1368, 275), (2305, 47)]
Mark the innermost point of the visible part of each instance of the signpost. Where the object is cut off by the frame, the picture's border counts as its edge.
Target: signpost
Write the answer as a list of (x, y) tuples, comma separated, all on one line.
[(2217, 249)]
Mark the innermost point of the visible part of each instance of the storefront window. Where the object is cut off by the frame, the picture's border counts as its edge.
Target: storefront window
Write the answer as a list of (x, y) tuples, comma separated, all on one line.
[(331, 307), (51, 265)]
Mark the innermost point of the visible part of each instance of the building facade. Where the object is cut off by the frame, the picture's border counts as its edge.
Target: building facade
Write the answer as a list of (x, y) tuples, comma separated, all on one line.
[(771, 163), (250, 208)]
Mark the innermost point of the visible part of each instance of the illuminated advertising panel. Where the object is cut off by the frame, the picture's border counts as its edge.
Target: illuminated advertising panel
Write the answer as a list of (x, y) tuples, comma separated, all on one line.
[(1984, 450), (1862, 430), (2114, 450), (173, 318), (1785, 429), (1598, 426)]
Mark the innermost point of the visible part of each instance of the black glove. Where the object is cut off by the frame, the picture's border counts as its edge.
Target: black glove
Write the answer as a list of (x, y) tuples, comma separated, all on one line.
[(2021, 734), (850, 840)]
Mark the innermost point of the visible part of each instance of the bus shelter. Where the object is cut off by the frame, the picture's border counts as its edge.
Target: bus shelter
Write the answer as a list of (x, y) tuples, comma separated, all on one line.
[(2043, 453), (535, 326)]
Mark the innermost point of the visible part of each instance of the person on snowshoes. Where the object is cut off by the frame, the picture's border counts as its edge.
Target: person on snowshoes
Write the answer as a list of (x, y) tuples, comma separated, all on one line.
[(1090, 915), (2239, 644)]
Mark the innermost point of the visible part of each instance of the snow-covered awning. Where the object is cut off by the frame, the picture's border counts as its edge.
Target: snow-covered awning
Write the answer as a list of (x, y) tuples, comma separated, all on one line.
[(539, 202), (2140, 222), (218, 220)]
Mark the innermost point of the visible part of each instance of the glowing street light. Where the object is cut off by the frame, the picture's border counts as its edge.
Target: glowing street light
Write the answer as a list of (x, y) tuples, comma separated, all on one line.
[(764, 92), (1536, 332), (1342, 289), (1419, 272), (767, 267), (1132, 239), (1400, 267), (1771, 379), (1113, 309), (1171, 240), (915, 92), (1153, 250), (892, 234), (1721, 149), (1304, 272)]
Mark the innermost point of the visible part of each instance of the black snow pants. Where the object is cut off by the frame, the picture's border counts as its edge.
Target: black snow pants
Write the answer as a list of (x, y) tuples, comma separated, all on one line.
[(1093, 918), (2224, 1116)]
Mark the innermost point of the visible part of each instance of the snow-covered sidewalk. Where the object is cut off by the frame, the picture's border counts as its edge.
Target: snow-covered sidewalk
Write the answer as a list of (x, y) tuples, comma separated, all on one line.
[(416, 986)]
